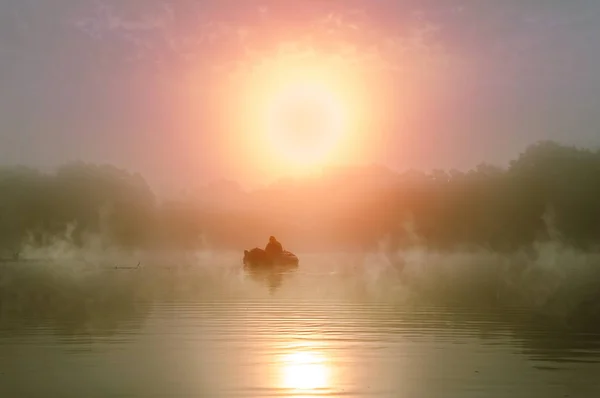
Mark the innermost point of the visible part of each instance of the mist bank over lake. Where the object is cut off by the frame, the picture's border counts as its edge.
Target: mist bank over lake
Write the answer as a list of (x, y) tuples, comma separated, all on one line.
[(549, 192)]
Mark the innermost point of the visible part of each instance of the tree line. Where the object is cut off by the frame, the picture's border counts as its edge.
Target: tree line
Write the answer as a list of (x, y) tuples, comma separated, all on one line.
[(550, 191)]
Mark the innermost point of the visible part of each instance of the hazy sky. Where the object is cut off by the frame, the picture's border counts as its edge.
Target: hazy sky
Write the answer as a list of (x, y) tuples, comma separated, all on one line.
[(109, 80)]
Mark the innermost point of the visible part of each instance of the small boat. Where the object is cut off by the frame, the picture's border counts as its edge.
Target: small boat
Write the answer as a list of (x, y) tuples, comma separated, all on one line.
[(257, 257)]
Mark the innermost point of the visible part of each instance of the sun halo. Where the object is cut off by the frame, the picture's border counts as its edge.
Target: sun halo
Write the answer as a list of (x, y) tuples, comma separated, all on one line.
[(296, 116)]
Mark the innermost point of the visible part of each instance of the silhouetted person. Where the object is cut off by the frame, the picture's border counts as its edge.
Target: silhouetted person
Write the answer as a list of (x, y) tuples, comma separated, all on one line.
[(273, 247)]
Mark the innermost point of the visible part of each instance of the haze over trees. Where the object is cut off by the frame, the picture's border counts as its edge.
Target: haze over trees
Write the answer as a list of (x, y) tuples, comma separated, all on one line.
[(549, 191)]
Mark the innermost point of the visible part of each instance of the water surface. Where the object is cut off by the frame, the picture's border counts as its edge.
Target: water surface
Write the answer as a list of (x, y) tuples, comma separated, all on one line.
[(176, 332)]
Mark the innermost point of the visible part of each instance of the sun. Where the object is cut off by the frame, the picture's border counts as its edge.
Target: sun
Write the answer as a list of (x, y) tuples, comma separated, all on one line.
[(296, 114), (305, 122)]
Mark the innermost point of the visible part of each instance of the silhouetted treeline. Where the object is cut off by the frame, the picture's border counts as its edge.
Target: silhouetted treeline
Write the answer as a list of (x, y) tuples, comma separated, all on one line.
[(549, 191)]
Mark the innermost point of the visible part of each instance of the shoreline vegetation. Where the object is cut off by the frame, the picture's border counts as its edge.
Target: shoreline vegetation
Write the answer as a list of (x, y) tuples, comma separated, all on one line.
[(549, 192), (524, 236)]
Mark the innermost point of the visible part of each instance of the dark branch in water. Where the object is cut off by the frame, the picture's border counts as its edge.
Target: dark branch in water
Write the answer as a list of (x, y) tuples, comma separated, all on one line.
[(136, 267)]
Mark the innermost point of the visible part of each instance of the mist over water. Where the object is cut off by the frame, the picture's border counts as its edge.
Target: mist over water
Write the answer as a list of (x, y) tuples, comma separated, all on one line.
[(424, 284), (246, 333), (550, 279)]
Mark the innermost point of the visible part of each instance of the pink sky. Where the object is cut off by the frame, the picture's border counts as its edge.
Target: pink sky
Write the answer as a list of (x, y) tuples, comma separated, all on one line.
[(135, 83)]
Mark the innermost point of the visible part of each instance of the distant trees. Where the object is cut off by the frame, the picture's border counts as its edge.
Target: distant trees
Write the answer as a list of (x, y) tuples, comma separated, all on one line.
[(506, 209), (501, 209), (91, 198), (565, 180)]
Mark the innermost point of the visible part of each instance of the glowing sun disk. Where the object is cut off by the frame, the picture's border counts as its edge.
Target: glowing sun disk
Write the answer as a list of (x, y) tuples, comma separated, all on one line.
[(297, 115), (304, 123)]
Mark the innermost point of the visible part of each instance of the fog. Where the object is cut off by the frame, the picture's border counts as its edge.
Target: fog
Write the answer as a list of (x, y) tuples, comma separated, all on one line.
[(549, 192), (91, 243)]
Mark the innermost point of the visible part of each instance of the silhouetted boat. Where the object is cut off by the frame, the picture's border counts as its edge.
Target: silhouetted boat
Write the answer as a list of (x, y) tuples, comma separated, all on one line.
[(257, 257)]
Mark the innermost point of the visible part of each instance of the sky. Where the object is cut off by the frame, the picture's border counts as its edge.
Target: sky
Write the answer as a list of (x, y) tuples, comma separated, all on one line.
[(146, 84)]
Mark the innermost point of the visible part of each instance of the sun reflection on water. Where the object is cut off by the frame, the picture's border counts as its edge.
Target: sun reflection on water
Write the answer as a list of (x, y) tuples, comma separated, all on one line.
[(305, 371)]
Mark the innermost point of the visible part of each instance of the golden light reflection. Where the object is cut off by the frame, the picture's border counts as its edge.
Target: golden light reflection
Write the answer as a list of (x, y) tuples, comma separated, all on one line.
[(305, 371)]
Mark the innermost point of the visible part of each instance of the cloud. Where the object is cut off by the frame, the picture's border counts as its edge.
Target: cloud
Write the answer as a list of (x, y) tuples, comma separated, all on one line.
[(349, 32)]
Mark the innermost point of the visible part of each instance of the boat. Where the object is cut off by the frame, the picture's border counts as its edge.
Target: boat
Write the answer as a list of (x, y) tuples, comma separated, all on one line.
[(257, 257)]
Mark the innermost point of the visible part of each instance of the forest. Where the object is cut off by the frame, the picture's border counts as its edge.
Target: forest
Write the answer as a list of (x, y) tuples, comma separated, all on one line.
[(550, 191)]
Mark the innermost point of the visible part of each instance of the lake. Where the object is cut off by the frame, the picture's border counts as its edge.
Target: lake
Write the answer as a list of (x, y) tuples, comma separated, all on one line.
[(327, 329)]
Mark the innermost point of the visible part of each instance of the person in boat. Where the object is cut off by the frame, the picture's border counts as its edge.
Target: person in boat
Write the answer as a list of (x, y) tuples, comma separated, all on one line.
[(273, 248)]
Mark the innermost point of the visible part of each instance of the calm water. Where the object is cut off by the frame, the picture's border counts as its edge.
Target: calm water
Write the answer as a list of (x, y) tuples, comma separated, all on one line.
[(184, 333)]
